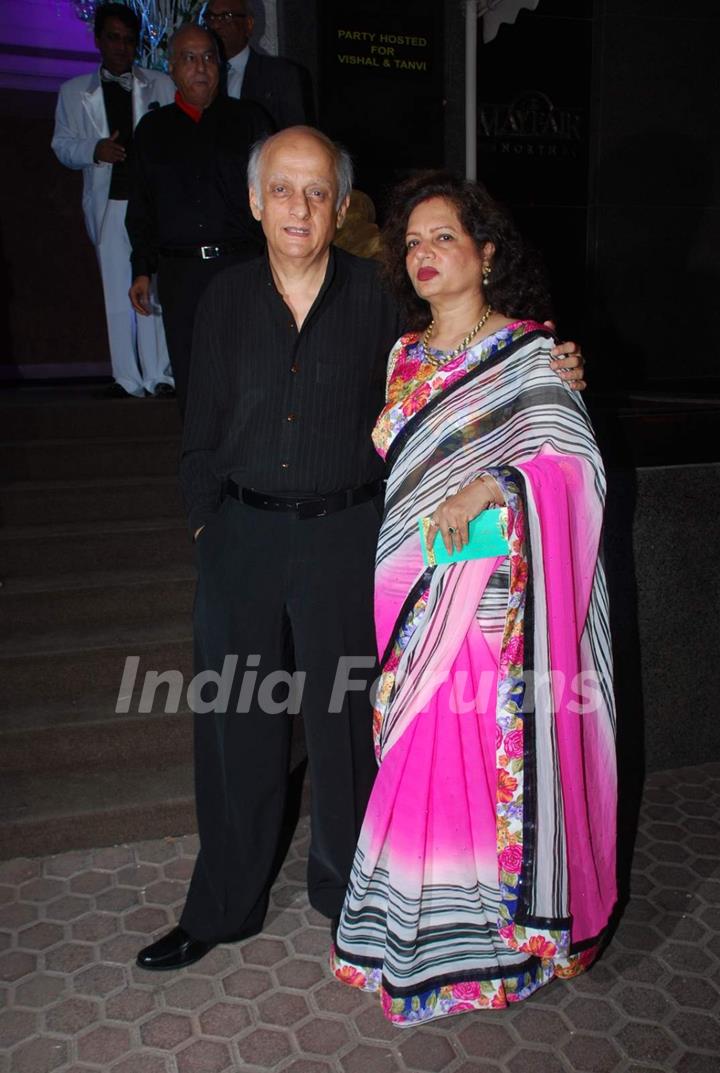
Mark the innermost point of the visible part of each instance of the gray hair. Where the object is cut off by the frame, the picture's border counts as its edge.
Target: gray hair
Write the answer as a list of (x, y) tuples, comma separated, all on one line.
[(182, 29), (340, 155)]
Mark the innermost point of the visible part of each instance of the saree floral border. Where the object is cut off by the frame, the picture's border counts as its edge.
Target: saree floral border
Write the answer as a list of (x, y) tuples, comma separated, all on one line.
[(510, 732)]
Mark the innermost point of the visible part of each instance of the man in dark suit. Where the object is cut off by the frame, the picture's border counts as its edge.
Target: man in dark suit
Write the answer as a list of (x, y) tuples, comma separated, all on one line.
[(283, 88)]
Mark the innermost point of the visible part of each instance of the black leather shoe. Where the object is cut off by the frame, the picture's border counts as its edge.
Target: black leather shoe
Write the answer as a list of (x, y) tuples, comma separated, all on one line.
[(164, 391), (174, 951)]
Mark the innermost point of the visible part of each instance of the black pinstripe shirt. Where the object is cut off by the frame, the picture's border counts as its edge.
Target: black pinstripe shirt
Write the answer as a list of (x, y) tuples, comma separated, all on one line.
[(279, 410)]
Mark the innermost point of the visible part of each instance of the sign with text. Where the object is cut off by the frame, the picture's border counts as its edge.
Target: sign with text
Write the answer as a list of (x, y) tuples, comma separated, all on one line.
[(533, 109), (388, 52), (381, 91), (533, 134)]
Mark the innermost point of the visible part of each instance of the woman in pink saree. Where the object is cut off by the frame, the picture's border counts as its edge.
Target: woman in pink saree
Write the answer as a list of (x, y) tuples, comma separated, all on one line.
[(486, 862)]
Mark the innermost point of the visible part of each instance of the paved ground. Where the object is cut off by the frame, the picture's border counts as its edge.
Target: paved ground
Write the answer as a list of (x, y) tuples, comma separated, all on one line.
[(70, 926)]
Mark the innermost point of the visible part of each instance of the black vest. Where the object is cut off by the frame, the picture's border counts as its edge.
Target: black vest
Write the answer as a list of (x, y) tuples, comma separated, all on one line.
[(118, 109)]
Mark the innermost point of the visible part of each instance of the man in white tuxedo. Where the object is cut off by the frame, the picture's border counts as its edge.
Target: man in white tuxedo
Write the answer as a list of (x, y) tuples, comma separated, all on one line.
[(94, 122), (283, 88)]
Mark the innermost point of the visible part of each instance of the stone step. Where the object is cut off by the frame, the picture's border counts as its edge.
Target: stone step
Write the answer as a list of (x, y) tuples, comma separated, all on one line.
[(43, 813), (27, 503), (96, 565), (97, 739), (84, 669), (43, 616), (57, 739), (54, 812), (38, 555), (51, 460), (80, 412)]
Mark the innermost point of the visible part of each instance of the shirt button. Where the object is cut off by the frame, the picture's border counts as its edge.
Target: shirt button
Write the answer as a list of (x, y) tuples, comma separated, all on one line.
[(284, 465), (291, 417), (294, 367)]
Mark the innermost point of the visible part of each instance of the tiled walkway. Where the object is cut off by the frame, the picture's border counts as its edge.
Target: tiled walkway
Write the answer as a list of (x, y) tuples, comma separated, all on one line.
[(70, 926)]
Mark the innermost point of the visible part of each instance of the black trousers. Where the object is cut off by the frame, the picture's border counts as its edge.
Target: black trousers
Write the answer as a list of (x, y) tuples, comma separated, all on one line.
[(284, 595), (181, 282)]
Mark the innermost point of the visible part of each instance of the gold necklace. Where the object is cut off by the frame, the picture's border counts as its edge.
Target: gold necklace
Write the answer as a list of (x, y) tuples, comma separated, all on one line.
[(459, 348)]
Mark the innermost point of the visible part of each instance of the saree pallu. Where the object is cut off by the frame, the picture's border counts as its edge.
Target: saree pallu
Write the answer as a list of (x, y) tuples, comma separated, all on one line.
[(486, 862)]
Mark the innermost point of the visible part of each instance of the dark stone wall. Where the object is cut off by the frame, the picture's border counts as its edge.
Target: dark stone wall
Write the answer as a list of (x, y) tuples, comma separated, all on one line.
[(652, 276), (664, 593), (654, 228)]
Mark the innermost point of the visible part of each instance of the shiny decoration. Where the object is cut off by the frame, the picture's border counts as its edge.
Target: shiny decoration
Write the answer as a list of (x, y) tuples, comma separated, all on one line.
[(158, 18), (84, 9)]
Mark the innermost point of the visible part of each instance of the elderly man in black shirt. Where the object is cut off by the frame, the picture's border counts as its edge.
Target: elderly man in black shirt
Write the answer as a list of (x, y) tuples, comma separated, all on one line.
[(188, 216), (283, 493)]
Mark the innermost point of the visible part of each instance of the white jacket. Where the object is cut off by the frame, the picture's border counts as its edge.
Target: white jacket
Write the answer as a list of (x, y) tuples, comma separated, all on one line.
[(80, 122)]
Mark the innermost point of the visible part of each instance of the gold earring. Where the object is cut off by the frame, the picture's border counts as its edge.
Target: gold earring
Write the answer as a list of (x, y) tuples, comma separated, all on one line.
[(486, 270)]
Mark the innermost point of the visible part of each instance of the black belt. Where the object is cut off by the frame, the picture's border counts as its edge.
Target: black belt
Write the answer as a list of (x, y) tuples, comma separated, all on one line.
[(205, 253), (315, 507)]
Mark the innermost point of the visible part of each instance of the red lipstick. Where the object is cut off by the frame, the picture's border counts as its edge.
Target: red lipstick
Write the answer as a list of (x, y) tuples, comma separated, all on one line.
[(427, 273)]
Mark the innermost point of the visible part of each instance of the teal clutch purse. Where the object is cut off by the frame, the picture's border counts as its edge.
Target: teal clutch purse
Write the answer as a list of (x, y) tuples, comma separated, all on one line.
[(488, 538)]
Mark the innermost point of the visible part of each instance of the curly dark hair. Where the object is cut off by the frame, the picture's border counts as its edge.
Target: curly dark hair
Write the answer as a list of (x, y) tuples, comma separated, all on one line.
[(517, 286), (126, 15)]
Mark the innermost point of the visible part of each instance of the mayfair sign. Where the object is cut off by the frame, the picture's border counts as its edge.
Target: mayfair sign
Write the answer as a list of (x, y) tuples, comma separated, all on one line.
[(530, 125)]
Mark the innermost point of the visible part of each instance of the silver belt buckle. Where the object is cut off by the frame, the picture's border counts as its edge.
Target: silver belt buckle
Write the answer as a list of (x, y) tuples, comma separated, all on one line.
[(311, 509), (208, 252)]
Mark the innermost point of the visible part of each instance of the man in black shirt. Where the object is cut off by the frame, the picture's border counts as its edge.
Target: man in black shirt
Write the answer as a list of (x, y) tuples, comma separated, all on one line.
[(283, 493), (188, 215)]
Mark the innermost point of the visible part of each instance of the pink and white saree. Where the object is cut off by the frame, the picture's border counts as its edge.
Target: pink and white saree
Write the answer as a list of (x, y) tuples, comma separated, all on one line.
[(486, 862)]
